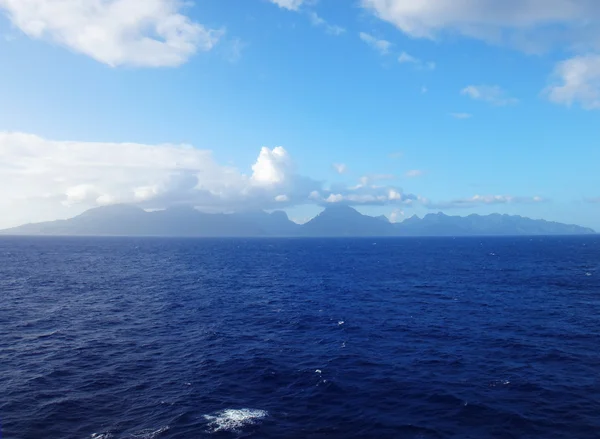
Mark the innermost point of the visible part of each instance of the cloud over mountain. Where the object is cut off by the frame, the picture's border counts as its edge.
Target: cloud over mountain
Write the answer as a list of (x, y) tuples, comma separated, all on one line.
[(44, 179)]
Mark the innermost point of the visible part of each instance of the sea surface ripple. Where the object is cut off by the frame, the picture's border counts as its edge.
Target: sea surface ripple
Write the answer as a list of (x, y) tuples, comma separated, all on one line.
[(290, 338)]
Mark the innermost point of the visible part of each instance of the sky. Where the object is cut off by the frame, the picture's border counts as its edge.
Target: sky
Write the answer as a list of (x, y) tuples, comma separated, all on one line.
[(396, 107)]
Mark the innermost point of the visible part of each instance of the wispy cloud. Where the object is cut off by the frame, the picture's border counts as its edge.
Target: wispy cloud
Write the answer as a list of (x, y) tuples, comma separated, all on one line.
[(367, 180), (116, 33), (340, 168), (405, 58), (479, 200), (492, 94), (380, 45), (577, 80), (292, 5), (414, 173), (461, 115), (331, 29), (234, 49)]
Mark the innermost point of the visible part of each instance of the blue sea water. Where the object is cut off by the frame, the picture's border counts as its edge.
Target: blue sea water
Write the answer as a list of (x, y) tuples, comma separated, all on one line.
[(289, 338)]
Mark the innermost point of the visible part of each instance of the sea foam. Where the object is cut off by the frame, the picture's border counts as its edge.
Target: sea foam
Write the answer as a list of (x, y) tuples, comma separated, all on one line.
[(234, 419)]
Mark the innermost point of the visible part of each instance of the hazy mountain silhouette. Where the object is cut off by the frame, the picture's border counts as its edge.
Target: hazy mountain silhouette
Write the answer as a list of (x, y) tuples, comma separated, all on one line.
[(489, 225), (337, 220), (346, 221)]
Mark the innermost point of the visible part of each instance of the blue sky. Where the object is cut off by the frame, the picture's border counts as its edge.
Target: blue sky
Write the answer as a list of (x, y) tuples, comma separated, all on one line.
[(487, 106)]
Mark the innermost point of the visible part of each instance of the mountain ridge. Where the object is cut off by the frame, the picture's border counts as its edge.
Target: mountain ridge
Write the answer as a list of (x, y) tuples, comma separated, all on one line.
[(333, 221)]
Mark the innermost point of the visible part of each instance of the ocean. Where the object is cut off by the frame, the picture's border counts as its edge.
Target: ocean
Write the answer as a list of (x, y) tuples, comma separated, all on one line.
[(300, 338)]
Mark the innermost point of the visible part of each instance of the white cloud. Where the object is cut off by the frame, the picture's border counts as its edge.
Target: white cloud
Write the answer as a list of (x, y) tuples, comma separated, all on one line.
[(479, 200), (273, 166), (340, 168), (577, 80), (525, 24), (365, 199), (396, 216), (366, 193), (367, 180), (145, 33), (42, 179), (405, 58), (292, 5), (413, 173), (461, 115), (382, 46), (331, 29), (492, 94), (334, 198)]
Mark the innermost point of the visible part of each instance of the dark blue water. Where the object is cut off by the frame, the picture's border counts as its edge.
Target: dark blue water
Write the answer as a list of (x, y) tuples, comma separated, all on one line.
[(386, 338)]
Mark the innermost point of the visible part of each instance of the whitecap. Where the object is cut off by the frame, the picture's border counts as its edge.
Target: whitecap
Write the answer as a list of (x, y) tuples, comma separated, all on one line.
[(341, 322), (588, 274), (234, 419), (101, 436), (318, 371)]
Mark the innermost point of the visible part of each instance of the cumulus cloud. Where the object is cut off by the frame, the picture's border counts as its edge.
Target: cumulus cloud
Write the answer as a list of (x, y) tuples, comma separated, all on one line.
[(492, 94), (380, 45), (145, 33), (577, 80), (480, 200), (292, 5), (522, 23), (331, 29), (405, 58), (41, 179), (273, 166), (461, 115)]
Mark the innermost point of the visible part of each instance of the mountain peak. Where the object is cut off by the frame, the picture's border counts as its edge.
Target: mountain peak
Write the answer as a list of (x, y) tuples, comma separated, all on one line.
[(339, 209)]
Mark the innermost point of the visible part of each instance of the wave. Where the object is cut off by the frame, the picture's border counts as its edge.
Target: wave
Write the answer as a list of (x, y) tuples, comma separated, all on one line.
[(234, 419)]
